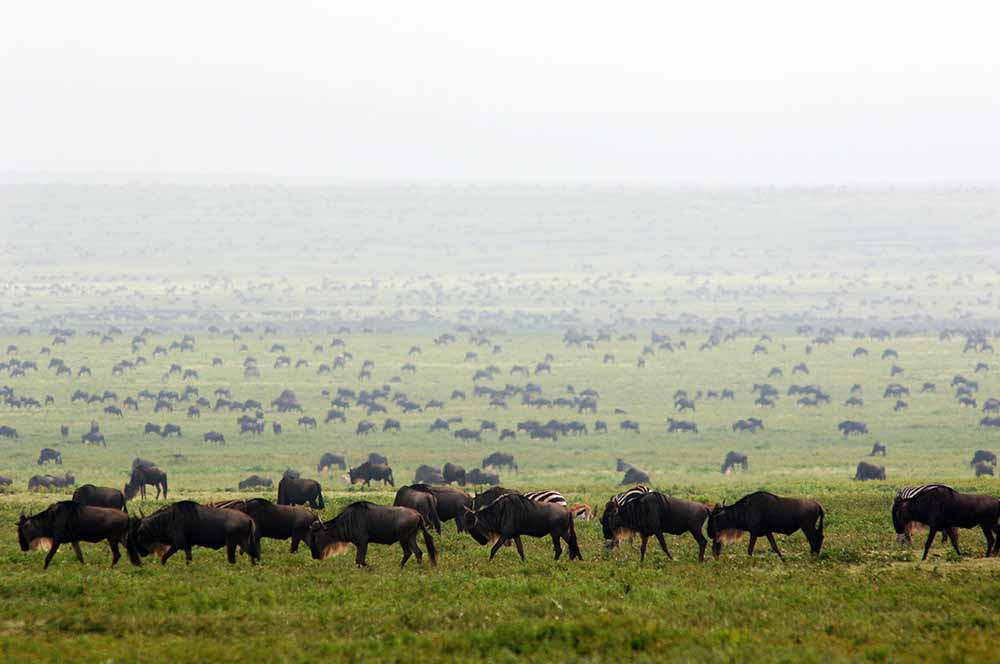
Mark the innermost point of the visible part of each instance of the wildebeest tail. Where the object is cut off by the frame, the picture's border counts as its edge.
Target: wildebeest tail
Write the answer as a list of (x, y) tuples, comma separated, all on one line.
[(819, 527), (574, 547), (253, 546), (428, 542)]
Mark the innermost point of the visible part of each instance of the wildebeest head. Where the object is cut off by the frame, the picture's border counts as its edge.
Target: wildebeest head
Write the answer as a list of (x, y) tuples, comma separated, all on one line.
[(323, 541), (478, 523), (724, 526), (611, 526), (901, 522), (141, 539), (34, 532)]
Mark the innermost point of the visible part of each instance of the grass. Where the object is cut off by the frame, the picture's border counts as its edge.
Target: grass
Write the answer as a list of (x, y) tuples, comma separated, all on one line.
[(866, 598)]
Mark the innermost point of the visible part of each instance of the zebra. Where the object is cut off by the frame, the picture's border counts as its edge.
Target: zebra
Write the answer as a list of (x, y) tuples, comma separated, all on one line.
[(553, 497), (626, 497)]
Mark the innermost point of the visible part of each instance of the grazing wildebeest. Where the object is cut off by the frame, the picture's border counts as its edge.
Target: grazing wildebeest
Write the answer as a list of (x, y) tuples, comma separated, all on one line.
[(763, 514), (651, 514), (878, 449), (421, 498), (734, 459), (984, 456), (478, 477), (499, 460), (329, 461), (169, 429), (186, 524), (5, 481), (214, 437), (512, 515), (680, 425), (469, 434), (142, 475), (869, 471), (94, 438), (70, 522), (366, 472), (151, 428), (453, 473), (100, 496), (942, 509), (629, 425), (621, 466), (634, 475), (51, 481), (848, 427), (49, 454), (363, 523), (256, 481), (272, 521), (298, 491), (983, 468), (428, 475)]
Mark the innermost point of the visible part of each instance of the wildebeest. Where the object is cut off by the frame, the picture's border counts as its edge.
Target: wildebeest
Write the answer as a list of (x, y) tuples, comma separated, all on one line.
[(51, 481), (151, 428), (420, 497), (214, 437), (366, 472), (329, 460), (763, 513), (363, 523), (298, 491), (983, 468), (428, 475), (877, 449), (142, 475), (512, 515), (100, 496), (49, 454), (652, 514), (70, 522), (256, 481), (869, 471), (170, 429), (634, 475), (376, 458), (848, 427), (279, 522), (453, 473), (734, 459), (942, 509), (186, 524), (984, 456), (478, 477), (499, 460)]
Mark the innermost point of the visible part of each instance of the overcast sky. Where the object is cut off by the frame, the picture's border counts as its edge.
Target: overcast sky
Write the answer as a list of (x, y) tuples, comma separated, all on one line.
[(786, 92)]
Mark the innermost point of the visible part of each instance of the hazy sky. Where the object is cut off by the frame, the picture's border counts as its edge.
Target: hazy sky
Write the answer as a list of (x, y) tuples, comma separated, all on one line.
[(674, 93)]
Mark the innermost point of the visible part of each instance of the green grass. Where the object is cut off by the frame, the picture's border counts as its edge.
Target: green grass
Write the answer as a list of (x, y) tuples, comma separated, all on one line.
[(865, 598)]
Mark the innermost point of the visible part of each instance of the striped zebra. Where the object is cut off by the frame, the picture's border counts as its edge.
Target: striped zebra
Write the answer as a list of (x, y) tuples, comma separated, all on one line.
[(546, 497), (628, 496), (616, 502), (910, 492)]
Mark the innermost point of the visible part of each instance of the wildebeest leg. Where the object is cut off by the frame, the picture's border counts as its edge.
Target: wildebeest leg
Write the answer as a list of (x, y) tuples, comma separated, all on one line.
[(362, 553), (52, 552), (774, 545), (231, 552), (405, 545), (753, 543), (171, 550), (702, 542), (115, 556), (496, 545), (556, 545), (295, 543), (989, 539), (953, 536), (520, 548), (930, 540), (716, 549), (663, 545), (79, 553), (416, 549)]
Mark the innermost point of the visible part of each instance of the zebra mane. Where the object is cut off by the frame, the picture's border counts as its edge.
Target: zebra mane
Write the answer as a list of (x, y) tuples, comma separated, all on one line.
[(911, 492)]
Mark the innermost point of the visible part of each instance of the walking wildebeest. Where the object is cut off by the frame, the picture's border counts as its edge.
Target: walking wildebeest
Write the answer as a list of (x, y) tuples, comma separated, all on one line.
[(512, 515), (869, 471), (500, 459), (421, 498), (69, 522), (763, 514), (453, 473), (651, 514), (49, 454), (634, 475), (363, 523), (142, 475), (329, 460), (368, 471), (298, 491), (878, 449), (734, 459), (428, 475), (186, 524), (279, 522), (255, 482), (100, 496), (942, 509)]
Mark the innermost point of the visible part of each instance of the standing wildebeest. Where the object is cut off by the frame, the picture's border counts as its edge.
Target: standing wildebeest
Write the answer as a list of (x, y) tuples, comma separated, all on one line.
[(848, 427), (100, 496), (272, 521), (421, 498), (652, 514), (476, 477), (512, 515), (877, 449), (453, 473), (635, 476), (376, 458), (142, 475), (734, 459), (256, 481), (151, 428), (362, 523), (170, 429), (214, 437), (983, 468), (70, 522), (499, 460), (869, 471), (984, 456), (763, 513), (428, 475), (329, 460), (49, 454), (942, 509), (369, 471), (186, 524), (298, 491)]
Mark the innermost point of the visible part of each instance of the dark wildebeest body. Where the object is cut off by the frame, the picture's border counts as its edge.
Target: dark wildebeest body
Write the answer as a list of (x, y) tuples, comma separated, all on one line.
[(734, 459), (186, 524), (869, 471), (329, 460), (763, 514), (272, 521), (512, 515), (985, 456), (256, 481), (376, 458), (942, 509), (143, 475), (368, 471), (451, 504), (421, 498), (453, 473), (298, 491), (69, 522), (100, 496), (651, 515), (49, 454), (50, 481), (363, 523), (499, 460), (476, 477), (428, 475)]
